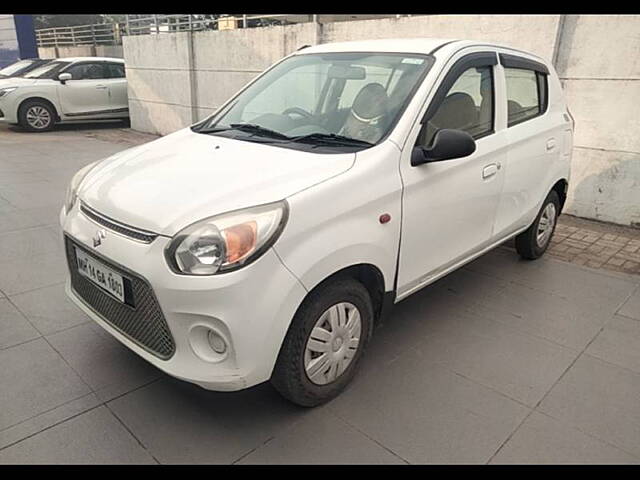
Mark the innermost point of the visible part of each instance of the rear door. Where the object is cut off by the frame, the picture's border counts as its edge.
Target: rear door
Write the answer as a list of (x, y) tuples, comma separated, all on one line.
[(117, 84), (86, 94), (535, 142)]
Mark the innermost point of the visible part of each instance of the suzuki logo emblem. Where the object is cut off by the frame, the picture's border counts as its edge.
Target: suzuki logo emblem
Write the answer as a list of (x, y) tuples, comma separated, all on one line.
[(98, 237)]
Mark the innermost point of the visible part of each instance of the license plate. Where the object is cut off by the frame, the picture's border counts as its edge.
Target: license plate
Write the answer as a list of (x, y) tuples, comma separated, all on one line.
[(100, 274)]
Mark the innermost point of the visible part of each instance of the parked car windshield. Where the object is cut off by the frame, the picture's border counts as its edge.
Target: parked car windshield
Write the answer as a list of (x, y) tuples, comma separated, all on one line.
[(333, 99), (15, 67), (49, 70)]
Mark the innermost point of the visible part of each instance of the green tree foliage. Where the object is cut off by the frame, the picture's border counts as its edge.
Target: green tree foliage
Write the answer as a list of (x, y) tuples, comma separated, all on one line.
[(47, 21)]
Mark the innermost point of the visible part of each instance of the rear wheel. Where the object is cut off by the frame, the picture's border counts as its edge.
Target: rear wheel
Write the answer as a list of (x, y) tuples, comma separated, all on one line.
[(36, 116), (533, 242), (326, 339)]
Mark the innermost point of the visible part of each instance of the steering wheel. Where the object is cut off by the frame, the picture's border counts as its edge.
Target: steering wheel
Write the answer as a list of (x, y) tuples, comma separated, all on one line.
[(297, 111)]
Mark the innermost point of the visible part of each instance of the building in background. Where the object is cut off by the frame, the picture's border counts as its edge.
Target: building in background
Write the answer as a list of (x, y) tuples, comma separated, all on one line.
[(17, 38)]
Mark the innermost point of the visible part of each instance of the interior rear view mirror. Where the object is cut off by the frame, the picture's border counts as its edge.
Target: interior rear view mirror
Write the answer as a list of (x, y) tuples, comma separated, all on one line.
[(347, 72)]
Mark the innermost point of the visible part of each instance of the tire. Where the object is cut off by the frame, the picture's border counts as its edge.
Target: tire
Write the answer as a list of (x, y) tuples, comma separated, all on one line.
[(290, 377), (533, 242), (36, 116)]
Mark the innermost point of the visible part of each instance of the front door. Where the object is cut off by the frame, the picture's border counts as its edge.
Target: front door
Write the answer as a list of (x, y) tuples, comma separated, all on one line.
[(87, 93), (449, 206)]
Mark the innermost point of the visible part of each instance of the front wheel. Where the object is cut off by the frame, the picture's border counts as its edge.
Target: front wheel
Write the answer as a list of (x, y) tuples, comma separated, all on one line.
[(324, 344), (36, 116), (533, 242)]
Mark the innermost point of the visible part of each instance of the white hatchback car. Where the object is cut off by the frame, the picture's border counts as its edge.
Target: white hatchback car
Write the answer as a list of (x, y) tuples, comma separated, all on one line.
[(267, 240), (66, 90)]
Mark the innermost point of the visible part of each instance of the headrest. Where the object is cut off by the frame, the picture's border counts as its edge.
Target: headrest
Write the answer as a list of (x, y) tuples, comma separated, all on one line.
[(371, 102), (456, 111)]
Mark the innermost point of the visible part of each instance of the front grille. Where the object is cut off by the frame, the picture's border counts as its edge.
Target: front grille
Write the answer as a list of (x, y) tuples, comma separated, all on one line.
[(140, 319), (131, 232)]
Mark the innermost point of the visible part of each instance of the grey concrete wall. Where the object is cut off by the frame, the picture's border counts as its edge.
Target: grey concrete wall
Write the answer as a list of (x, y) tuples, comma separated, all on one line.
[(158, 75), (534, 33), (115, 51), (599, 64), (177, 79), (230, 59), (47, 52)]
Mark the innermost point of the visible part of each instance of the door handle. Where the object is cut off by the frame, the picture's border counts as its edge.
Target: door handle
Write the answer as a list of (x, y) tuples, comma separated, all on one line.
[(101, 87), (551, 144), (490, 170)]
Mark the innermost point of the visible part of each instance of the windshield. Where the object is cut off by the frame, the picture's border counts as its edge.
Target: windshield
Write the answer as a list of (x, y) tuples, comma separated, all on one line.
[(337, 98), (15, 67), (49, 70)]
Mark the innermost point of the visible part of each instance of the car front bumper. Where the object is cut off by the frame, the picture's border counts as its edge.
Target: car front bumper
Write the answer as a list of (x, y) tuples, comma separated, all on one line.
[(8, 111), (250, 308)]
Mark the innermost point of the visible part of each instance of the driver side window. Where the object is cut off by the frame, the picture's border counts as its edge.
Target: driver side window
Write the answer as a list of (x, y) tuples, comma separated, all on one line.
[(467, 106)]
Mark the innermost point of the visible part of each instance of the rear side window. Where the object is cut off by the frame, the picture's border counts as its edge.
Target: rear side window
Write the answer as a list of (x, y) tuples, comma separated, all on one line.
[(115, 70), (526, 94)]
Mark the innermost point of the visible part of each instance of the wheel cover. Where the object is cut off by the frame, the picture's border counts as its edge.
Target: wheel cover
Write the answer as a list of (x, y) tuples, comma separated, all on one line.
[(545, 225), (333, 343), (38, 117)]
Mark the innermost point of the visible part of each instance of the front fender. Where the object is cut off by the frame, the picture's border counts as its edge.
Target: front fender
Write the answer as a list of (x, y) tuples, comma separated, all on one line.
[(336, 224), (318, 269), (34, 94)]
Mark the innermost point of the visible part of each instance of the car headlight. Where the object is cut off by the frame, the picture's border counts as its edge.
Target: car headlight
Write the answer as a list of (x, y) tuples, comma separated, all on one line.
[(228, 241), (7, 90), (72, 190)]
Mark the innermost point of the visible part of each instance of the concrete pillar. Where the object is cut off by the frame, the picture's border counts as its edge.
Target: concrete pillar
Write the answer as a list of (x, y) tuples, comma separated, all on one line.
[(318, 30), (193, 82), (557, 45)]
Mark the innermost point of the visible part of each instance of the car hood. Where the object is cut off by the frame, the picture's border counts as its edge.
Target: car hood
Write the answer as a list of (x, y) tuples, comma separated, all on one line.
[(16, 82), (167, 184)]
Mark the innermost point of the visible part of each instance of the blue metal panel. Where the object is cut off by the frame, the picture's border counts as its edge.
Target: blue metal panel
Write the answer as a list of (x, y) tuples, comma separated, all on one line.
[(26, 36)]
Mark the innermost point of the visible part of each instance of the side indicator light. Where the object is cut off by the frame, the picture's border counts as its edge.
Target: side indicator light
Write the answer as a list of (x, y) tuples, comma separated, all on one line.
[(385, 218)]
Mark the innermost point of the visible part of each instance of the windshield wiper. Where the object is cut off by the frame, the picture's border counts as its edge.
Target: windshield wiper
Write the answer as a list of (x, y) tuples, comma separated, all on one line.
[(331, 139), (249, 128), (258, 130), (210, 130)]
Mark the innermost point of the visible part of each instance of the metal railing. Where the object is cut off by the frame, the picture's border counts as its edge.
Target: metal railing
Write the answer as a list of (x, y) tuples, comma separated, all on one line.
[(155, 24), (97, 34), (112, 33)]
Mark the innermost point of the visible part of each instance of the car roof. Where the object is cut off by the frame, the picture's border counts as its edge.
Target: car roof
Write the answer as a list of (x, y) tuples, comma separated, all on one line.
[(399, 45), (89, 59), (404, 45)]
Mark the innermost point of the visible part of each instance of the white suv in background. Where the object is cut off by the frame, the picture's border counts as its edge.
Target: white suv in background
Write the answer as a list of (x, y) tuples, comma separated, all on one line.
[(66, 90), (266, 241)]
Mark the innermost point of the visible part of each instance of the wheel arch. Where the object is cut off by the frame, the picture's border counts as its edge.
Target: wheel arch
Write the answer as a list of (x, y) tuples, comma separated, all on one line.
[(40, 99), (370, 276), (561, 188)]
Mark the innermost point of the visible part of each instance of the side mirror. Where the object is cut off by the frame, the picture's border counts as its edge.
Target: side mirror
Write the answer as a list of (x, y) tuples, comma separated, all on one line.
[(64, 77), (447, 145)]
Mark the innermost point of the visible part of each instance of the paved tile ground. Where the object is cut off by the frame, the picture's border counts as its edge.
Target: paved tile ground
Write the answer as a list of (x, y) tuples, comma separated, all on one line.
[(503, 361), (597, 245)]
